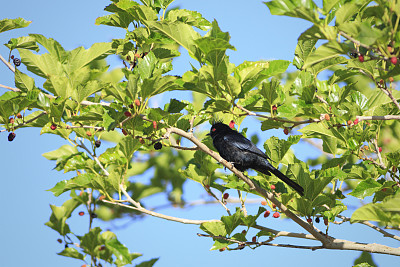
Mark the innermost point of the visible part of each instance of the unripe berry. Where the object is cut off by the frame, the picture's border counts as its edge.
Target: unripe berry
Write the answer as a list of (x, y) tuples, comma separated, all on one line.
[(393, 60), (11, 120), (101, 197), (89, 133), (141, 140), (232, 124), (349, 122), (361, 58), (157, 146), (11, 136), (286, 131), (155, 125), (263, 202), (226, 196), (19, 116), (137, 102), (389, 49), (391, 79), (267, 213), (327, 117), (276, 215), (81, 213), (272, 187), (380, 149), (127, 114), (53, 127), (355, 121)]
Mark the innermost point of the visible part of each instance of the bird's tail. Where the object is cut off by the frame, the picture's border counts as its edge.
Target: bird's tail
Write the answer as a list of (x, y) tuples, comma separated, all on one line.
[(284, 178)]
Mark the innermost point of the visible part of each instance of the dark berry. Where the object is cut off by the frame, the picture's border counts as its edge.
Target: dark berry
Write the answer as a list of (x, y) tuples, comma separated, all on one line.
[(157, 146), (226, 196), (53, 127), (59, 240), (353, 55), (12, 57), (97, 143), (124, 132), (254, 239), (93, 215), (326, 221), (393, 60), (222, 249), (11, 136), (244, 232), (81, 213), (141, 140), (309, 220), (127, 114), (317, 220), (273, 206), (130, 106), (102, 247), (267, 213), (19, 116), (276, 215), (17, 61)]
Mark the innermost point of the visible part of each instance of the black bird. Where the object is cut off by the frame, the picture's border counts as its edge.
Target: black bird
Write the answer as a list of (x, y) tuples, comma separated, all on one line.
[(243, 154)]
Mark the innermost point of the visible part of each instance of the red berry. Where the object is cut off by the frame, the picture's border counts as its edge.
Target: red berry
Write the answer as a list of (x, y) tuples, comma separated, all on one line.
[(124, 132), (222, 249), (254, 239), (59, 240), (286, 131), (11, 120), (11, 136), (393, 60), (355, 121), (88, 133), (391, 79), (102, 197), (361, 58), (53, 127), (272, 187), (154, 124), (81, 193), (349, 122), (226, 195), (232, 124), (384, 189), (19, 116), (326, 221), (309, 220), (81, 213), (263, 202), (276, 215), (12, 56), (127, 114), (274, 107), (273, 206), (137, 102), (380, 149), (267, 213)]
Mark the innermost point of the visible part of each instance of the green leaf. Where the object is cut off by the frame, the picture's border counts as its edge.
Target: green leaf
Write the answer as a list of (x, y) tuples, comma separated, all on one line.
[(231, 222), (216, 228), (276, 148), (327, 51), (81, 181), (128, 146), (303, 50), (189, 17), (318, 130), (366, 188), (175, 106), (23, 81), (148, 263), (178, 31), (10, 24), (120, 251), (25, 42), (65, 150), (72, 253), (305, 9), (365, 260), (91, 240), (80, 57)]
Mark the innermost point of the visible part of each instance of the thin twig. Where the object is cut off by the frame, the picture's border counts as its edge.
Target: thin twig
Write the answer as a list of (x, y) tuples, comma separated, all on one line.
[(10, 88), (384, 118), (7, 64), (28, 121)]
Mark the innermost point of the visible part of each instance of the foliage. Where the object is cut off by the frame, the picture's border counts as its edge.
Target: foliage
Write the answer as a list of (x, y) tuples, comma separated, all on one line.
[(354, 114)]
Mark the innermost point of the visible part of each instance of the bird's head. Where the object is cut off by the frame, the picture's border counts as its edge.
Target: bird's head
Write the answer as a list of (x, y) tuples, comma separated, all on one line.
[(219, 128)]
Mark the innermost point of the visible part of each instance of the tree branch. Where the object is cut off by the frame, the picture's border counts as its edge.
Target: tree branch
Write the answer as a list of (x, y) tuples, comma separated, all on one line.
[(7, 64)]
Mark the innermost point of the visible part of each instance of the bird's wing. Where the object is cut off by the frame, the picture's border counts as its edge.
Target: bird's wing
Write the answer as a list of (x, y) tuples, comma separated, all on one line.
[(244, 144)]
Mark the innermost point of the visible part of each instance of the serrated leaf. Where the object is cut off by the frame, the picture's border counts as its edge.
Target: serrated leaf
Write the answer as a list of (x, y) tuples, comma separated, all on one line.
[(10, 24), (72, 253)]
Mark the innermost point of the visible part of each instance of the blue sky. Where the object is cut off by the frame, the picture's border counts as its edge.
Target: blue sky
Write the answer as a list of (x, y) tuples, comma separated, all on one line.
[(25, 174)]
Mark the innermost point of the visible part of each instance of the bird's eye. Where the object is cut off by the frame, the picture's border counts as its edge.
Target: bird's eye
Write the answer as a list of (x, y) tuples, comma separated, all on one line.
[(213, 130)]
